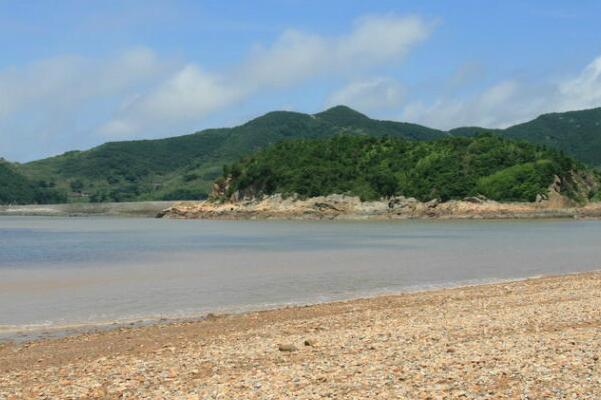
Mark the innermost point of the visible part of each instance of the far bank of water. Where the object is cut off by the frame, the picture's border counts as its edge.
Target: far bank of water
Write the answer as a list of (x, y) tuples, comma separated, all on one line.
[(123, 209)]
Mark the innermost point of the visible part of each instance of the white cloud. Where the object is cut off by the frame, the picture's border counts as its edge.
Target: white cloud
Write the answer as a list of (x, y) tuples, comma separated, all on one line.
[(583, 91), (55, 104), (75, 101), (379, 39), (374, 40), (498, 94), (191, 93), (510, 102), (370, 94), (63, 82), (465, 75)]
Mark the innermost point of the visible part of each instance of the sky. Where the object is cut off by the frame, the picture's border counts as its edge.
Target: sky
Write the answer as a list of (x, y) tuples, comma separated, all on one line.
[(75, 74)]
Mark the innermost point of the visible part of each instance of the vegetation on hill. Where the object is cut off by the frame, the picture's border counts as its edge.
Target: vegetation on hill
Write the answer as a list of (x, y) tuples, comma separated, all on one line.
[(577, 133), (184, 167), (16, 189), (372, 168)]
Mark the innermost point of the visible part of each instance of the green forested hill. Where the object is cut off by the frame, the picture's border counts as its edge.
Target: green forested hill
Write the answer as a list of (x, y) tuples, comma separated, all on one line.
[(448, 168), (184, 167), (577, 133), (16, 189), (351, 121)]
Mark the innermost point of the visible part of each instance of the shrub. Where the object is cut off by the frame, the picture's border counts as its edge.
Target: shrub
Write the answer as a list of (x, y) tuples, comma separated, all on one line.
[(372, 168), (520, 182)]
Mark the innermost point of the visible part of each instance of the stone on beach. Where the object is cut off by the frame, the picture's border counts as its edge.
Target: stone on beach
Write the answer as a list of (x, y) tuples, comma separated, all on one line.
[(287, 348), (535, 339)]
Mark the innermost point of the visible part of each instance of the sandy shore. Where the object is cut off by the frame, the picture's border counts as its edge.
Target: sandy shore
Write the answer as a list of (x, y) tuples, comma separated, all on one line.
[(532, 339)]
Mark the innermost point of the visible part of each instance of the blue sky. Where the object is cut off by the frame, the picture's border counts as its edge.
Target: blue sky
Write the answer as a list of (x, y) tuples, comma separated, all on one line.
[(74, 74)]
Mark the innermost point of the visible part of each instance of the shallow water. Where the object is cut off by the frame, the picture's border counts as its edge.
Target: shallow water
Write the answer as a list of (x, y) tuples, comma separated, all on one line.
[(61, 271)]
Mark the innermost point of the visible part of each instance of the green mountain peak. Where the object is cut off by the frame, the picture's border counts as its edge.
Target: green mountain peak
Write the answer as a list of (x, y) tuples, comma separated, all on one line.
[(341, 115)]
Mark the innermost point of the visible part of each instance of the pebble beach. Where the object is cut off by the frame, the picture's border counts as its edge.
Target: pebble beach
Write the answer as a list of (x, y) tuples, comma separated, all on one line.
[(538, 338)]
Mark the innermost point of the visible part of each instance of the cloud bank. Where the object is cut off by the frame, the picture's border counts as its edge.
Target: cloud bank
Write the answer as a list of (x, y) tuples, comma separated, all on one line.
[(70, 101), (192, 93), (369, 95), (55, 104), (511, 101), (66, 81)]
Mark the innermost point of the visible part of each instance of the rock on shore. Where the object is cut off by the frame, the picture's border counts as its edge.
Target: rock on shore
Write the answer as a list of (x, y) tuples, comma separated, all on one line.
[(347, 207)]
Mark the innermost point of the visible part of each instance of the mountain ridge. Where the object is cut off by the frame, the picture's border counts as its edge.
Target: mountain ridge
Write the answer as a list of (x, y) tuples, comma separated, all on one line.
[(184, 167)]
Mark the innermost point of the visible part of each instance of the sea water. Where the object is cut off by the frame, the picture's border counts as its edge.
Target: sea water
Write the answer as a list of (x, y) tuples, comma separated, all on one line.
[(70, 271)]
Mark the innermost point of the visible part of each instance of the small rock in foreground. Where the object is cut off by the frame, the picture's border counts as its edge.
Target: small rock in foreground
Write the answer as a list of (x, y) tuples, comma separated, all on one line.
[(287, 347)]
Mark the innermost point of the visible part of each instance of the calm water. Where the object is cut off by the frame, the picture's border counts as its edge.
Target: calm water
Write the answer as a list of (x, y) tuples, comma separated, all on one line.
[(57, 271)]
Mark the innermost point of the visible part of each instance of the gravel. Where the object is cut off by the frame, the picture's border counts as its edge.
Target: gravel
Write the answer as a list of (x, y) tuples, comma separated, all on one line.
[(531, 339)]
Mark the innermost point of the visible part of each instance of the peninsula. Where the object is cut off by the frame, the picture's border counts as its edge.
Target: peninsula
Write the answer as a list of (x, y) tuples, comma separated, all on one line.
[(354, 177)]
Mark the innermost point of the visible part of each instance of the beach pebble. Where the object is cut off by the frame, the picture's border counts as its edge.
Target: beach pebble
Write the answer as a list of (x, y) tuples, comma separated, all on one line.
[(539, 340), (287, 347)]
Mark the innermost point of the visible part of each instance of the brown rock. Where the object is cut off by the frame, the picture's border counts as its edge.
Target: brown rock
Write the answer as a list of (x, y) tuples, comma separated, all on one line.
[(287, 347)]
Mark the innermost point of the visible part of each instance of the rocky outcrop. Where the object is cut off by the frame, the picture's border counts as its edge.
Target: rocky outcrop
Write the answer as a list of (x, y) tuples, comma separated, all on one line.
[(348, 207)]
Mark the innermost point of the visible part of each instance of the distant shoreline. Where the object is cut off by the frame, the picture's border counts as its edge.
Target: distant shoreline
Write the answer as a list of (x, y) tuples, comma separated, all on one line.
[(340, 207), (334, 207), (124, 209)]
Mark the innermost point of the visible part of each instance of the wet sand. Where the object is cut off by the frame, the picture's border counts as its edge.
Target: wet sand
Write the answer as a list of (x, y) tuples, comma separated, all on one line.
[(536, 338)]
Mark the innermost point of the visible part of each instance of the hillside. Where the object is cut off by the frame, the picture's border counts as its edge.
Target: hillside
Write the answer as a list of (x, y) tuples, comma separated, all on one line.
[(16, 189), (577, 133), (184, 167), (372, 168)]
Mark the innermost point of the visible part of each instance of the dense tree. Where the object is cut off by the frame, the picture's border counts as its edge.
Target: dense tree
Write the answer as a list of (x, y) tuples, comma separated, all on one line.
[(17, 189), (369, 167), (164, 168)]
